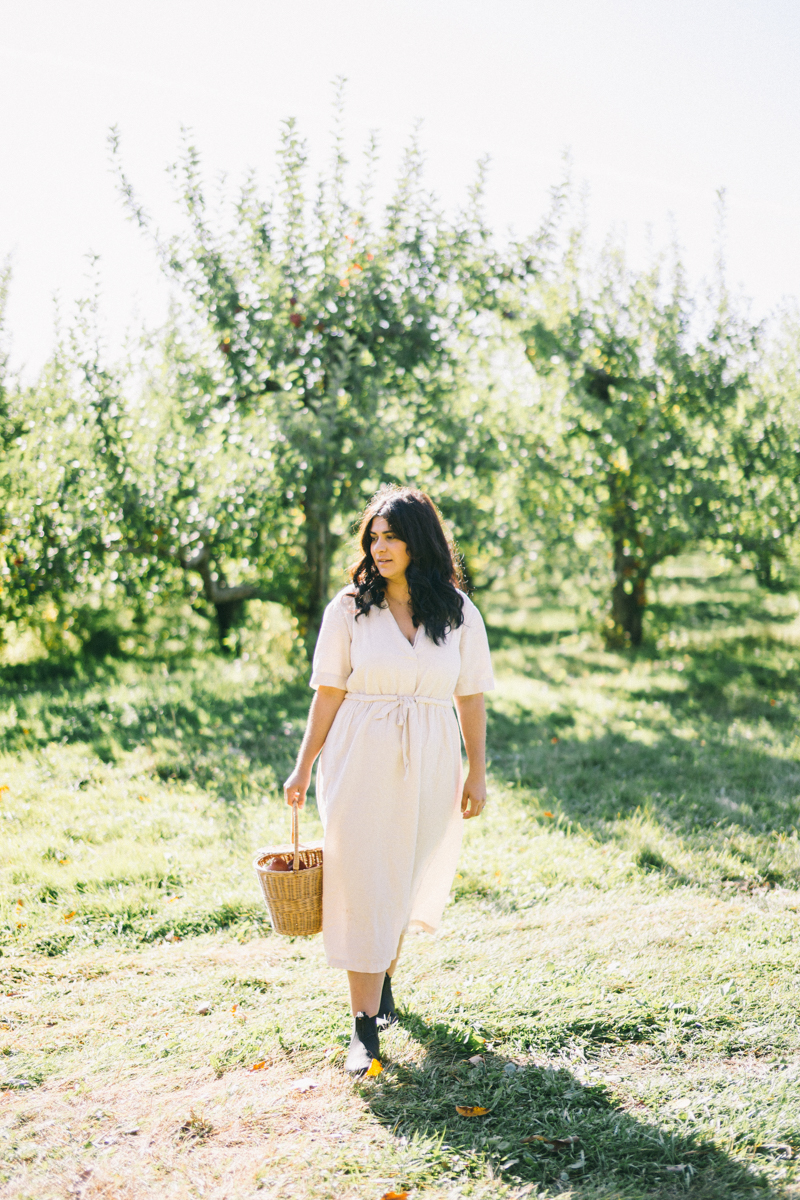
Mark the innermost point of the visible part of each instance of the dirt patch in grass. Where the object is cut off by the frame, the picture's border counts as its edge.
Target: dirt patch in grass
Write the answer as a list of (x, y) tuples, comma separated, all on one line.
[(186, 1135)]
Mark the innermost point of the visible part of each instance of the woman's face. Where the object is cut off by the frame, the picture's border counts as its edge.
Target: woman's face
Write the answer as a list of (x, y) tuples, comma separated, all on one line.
[(388, 553)]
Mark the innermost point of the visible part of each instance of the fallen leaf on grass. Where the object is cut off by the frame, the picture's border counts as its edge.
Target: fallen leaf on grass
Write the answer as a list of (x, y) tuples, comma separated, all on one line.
[(375, 1068), (68, 916), (259, 1066), (4, 788), (476, 1060), (471, 1110), (305, 1085), (548, 814), (394, 1196), (552, 1143)]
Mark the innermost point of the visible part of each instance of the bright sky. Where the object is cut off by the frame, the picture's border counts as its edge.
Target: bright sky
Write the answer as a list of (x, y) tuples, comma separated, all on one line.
[(659, 101)]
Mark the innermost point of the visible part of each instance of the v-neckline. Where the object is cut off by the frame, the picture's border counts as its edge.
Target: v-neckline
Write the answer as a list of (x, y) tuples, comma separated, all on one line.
[(411, 645)]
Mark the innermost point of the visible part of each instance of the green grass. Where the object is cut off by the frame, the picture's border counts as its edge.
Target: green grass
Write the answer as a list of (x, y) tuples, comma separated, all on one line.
[(619, 959)]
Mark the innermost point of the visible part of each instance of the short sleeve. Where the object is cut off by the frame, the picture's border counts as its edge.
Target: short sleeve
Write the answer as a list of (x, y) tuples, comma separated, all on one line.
[(331, 666), (476, 673)]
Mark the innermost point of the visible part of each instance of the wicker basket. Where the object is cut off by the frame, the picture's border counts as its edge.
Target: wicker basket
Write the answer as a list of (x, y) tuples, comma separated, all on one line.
[(293, 896)]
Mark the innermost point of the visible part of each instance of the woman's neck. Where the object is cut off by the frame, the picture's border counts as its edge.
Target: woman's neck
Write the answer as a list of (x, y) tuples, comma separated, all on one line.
[(397, 591)]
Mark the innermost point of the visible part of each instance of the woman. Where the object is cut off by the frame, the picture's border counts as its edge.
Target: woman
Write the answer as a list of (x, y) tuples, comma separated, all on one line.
[(393, 651)]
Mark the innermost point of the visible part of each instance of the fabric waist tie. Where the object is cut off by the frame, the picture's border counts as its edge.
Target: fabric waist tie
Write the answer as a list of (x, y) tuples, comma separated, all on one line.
[(403, 706)]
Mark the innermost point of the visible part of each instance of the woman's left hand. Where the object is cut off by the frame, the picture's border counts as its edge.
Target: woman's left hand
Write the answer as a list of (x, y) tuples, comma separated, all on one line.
[(473, 797)]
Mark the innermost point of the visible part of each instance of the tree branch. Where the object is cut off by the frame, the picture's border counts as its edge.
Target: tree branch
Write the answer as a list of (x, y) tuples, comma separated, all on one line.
[(215, 592)]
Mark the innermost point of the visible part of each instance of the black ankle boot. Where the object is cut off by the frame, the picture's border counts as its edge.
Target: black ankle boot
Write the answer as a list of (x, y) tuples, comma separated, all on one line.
[(364, 1045), (386, 1012)]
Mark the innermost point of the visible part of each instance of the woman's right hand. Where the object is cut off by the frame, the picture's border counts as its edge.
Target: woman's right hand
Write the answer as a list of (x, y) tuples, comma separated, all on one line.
[(296, 786)]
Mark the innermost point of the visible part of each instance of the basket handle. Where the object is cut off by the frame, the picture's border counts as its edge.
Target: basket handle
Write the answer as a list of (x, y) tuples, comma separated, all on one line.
[(296, 838)]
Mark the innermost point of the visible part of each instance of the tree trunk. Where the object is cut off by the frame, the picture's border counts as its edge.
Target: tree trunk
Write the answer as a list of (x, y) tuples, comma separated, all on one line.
[(764, 568), (228, 601), (229, 614), (628, 600), (624, 625), (320, 544)]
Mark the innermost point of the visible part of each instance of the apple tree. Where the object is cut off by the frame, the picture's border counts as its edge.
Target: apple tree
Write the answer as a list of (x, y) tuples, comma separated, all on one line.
[(647, 389), (332, 338)]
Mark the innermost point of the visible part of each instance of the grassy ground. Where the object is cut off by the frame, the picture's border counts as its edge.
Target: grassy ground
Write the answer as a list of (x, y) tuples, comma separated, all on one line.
[(615, 981)]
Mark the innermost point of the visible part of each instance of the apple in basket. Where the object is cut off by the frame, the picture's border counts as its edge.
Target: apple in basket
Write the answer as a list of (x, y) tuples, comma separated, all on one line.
[(284, 864)]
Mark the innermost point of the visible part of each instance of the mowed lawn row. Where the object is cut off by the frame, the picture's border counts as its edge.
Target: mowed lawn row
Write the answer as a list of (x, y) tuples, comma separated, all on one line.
[(615, 981)]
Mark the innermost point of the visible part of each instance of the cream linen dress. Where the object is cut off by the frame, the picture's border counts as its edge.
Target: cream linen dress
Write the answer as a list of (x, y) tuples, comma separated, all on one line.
[(389, 777)]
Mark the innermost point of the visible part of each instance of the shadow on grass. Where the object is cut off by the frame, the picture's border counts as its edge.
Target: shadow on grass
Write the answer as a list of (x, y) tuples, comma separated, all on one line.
[(543, 1126), (720, 601), (197, 721), (684, 784), (736, 682), (699, 741), (501, 637)]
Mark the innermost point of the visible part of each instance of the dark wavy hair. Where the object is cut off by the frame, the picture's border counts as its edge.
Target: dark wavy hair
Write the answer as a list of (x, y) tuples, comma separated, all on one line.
[(434, 572)]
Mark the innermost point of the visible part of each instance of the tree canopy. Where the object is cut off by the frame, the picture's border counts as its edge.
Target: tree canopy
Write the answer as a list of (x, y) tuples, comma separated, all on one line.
[(571, 414)]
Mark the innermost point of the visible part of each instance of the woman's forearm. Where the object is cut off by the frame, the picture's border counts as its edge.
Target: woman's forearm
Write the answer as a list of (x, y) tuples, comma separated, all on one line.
[(324, 707), (472, 718)]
